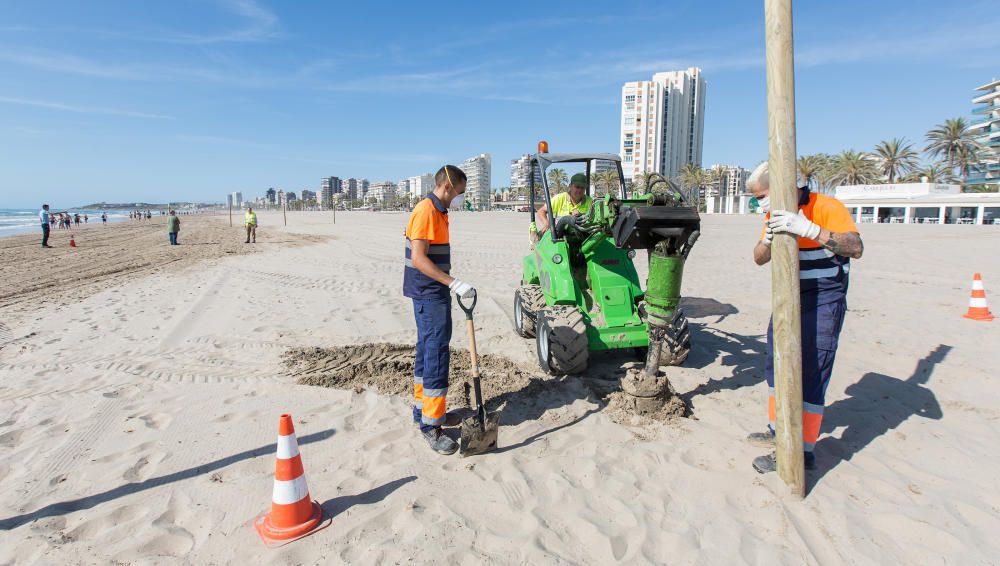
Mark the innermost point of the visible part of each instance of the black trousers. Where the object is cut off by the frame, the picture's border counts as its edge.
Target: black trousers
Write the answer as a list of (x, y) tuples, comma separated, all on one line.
[(45, 235)]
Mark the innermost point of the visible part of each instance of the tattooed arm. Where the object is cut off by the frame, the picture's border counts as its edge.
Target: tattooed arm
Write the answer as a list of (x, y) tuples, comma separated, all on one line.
[(847, 244)]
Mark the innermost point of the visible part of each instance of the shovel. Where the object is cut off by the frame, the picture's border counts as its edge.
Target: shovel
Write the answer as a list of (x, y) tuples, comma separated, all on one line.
[(479, 432)]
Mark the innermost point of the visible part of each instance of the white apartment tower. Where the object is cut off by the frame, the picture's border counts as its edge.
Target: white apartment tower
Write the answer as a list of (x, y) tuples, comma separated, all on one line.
[(421, 185), (477, 169), (520, 172), (662, 123), (986, 127)]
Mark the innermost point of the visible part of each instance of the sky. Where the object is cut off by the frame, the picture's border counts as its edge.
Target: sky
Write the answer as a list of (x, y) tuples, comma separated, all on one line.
[(188, 100)]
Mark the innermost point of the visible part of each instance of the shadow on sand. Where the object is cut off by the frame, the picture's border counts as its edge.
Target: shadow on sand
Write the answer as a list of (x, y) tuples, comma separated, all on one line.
[(877, 404), (69, 506)]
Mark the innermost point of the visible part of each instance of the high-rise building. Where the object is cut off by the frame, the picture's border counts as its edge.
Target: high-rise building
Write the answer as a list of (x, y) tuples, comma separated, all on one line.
[(403, 187), (732, 180), (271, 195), (229, 200), (477, 169), (329, 186), (383, 193), (363, 186), (662, 123), (520, 172), (308, 195), (986, 127), (237, 199), (421, 185)]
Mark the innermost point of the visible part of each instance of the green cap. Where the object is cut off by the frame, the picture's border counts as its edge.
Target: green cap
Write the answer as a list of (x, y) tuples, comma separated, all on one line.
[(579, 180)]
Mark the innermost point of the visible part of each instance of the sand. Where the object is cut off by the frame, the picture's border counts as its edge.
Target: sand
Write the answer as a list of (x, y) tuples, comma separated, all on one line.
[(139, 410)]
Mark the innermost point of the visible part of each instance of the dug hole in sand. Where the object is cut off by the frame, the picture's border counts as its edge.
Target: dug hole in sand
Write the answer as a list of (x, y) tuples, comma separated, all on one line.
[(523, 393)]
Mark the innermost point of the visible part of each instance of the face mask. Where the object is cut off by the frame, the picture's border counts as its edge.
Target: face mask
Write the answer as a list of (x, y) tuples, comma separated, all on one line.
[(458, 201), (765, 203)]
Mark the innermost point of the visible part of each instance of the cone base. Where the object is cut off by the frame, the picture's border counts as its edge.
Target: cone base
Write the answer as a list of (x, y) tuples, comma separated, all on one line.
[(272, 534), (976, 316)]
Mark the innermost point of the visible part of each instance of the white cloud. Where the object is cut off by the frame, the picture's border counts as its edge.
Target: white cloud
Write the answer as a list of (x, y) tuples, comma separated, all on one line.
[(81, 109)]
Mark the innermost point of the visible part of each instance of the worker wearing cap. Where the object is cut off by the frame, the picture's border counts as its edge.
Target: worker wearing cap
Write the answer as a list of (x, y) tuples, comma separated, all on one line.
[(250, 221), (427, 281), (574, 202), (827, 239)]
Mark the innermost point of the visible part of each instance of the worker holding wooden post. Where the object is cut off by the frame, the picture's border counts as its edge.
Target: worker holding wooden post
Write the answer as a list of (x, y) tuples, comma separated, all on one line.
[(827, 240)]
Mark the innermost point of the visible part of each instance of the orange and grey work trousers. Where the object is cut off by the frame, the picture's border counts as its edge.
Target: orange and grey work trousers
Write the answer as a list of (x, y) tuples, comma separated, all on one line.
[(430, 368), (821, 327)]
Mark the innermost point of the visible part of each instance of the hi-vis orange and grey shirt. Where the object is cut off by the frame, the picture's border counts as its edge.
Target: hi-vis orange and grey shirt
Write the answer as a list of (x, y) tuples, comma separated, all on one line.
[(823, 275), (428, 221)]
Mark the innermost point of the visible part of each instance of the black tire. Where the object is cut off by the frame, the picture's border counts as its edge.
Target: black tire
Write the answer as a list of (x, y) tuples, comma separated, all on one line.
[(528, 300), (676, 342), (561, 340)]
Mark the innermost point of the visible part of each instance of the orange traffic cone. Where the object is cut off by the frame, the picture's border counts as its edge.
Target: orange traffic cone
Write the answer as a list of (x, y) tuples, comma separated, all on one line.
[(72, 242), (977, 302), (293, 513)]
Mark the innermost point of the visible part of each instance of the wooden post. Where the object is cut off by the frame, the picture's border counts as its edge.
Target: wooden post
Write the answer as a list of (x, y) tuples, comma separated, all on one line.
[(334, 210), (284, 214), (785, 299), (230, 214)]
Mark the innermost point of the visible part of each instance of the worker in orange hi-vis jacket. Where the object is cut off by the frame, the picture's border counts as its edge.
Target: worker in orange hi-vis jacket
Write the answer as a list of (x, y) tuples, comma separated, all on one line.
[(828, 240)]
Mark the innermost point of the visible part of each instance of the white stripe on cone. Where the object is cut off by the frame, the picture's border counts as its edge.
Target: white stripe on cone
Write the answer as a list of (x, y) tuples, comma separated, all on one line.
[(977, 303), (288, 447), (977, 285), (290, 491)]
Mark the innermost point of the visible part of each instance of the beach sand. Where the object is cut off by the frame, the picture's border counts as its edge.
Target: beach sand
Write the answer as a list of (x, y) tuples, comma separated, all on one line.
[(140, 407)]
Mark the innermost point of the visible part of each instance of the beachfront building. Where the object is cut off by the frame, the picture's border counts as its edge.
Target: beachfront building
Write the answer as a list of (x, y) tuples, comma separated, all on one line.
[(403, 188), (236, 199), (729, 193), (382, 193), (520, 172), (919, 203), (329, 186), (662, 123), (363, 186), (308, 195), (271, 195), (349, 188), (421, 185), (477, 189), (986, 126)]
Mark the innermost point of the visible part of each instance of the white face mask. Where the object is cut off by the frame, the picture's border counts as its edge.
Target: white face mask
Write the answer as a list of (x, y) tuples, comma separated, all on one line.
[(457, 202), (765, 203)]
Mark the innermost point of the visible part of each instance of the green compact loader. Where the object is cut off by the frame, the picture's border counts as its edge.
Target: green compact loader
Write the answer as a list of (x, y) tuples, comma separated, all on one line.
[(580, 292)]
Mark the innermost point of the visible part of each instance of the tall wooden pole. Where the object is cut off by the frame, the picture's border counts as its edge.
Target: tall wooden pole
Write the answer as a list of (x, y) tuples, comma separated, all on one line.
[(230, 214), (785, 300), (284, 213)]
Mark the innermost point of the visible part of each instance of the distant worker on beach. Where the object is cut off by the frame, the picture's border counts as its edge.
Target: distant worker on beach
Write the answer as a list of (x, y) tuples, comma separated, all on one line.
[(250, 221), (104, 217), (828, 239), (173, 227), (574, 202), (43, 218), (426, 280)]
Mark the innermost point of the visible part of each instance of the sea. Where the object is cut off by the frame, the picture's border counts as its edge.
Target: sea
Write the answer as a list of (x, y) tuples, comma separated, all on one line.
[(22, 220)]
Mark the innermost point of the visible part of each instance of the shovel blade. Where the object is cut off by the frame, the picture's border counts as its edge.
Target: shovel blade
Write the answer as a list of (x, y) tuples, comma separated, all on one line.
[(474, 440)]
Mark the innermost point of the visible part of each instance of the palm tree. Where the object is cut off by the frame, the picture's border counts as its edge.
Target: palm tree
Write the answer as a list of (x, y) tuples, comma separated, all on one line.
[(953, 142), (693, 179), (851, 167), (812, 166), (716, 176), (895, 158), (557, 180), (939, 172), (605, 182)]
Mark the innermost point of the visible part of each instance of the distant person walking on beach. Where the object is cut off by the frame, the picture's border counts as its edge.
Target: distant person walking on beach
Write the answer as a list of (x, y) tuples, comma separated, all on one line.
[(173, 227), (86, 219), (104, 218), (426, 280), (827, 239), (250, 221), (76, 218), (43, 218)]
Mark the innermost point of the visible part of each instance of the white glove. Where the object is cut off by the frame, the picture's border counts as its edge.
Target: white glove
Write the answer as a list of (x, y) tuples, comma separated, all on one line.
[(462, 289), (785, 222), (768, 235)]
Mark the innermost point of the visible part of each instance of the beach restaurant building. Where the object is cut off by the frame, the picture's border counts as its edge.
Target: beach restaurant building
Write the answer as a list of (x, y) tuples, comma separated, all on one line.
[(919, 203)]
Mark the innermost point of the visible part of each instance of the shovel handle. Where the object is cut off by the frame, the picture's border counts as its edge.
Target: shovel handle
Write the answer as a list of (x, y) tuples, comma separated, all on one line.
[(470, 328)]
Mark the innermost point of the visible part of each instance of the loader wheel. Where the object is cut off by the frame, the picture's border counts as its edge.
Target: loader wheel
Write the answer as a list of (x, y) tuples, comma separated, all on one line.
[(528, 300), (561, 340), (677, 342)]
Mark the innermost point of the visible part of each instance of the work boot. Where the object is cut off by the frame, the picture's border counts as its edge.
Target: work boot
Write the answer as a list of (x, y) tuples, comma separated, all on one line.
[(439, 441), (769, 463), (765, 439)]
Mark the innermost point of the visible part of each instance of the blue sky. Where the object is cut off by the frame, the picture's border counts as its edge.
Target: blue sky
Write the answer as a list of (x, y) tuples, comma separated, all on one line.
[(188, 100)]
